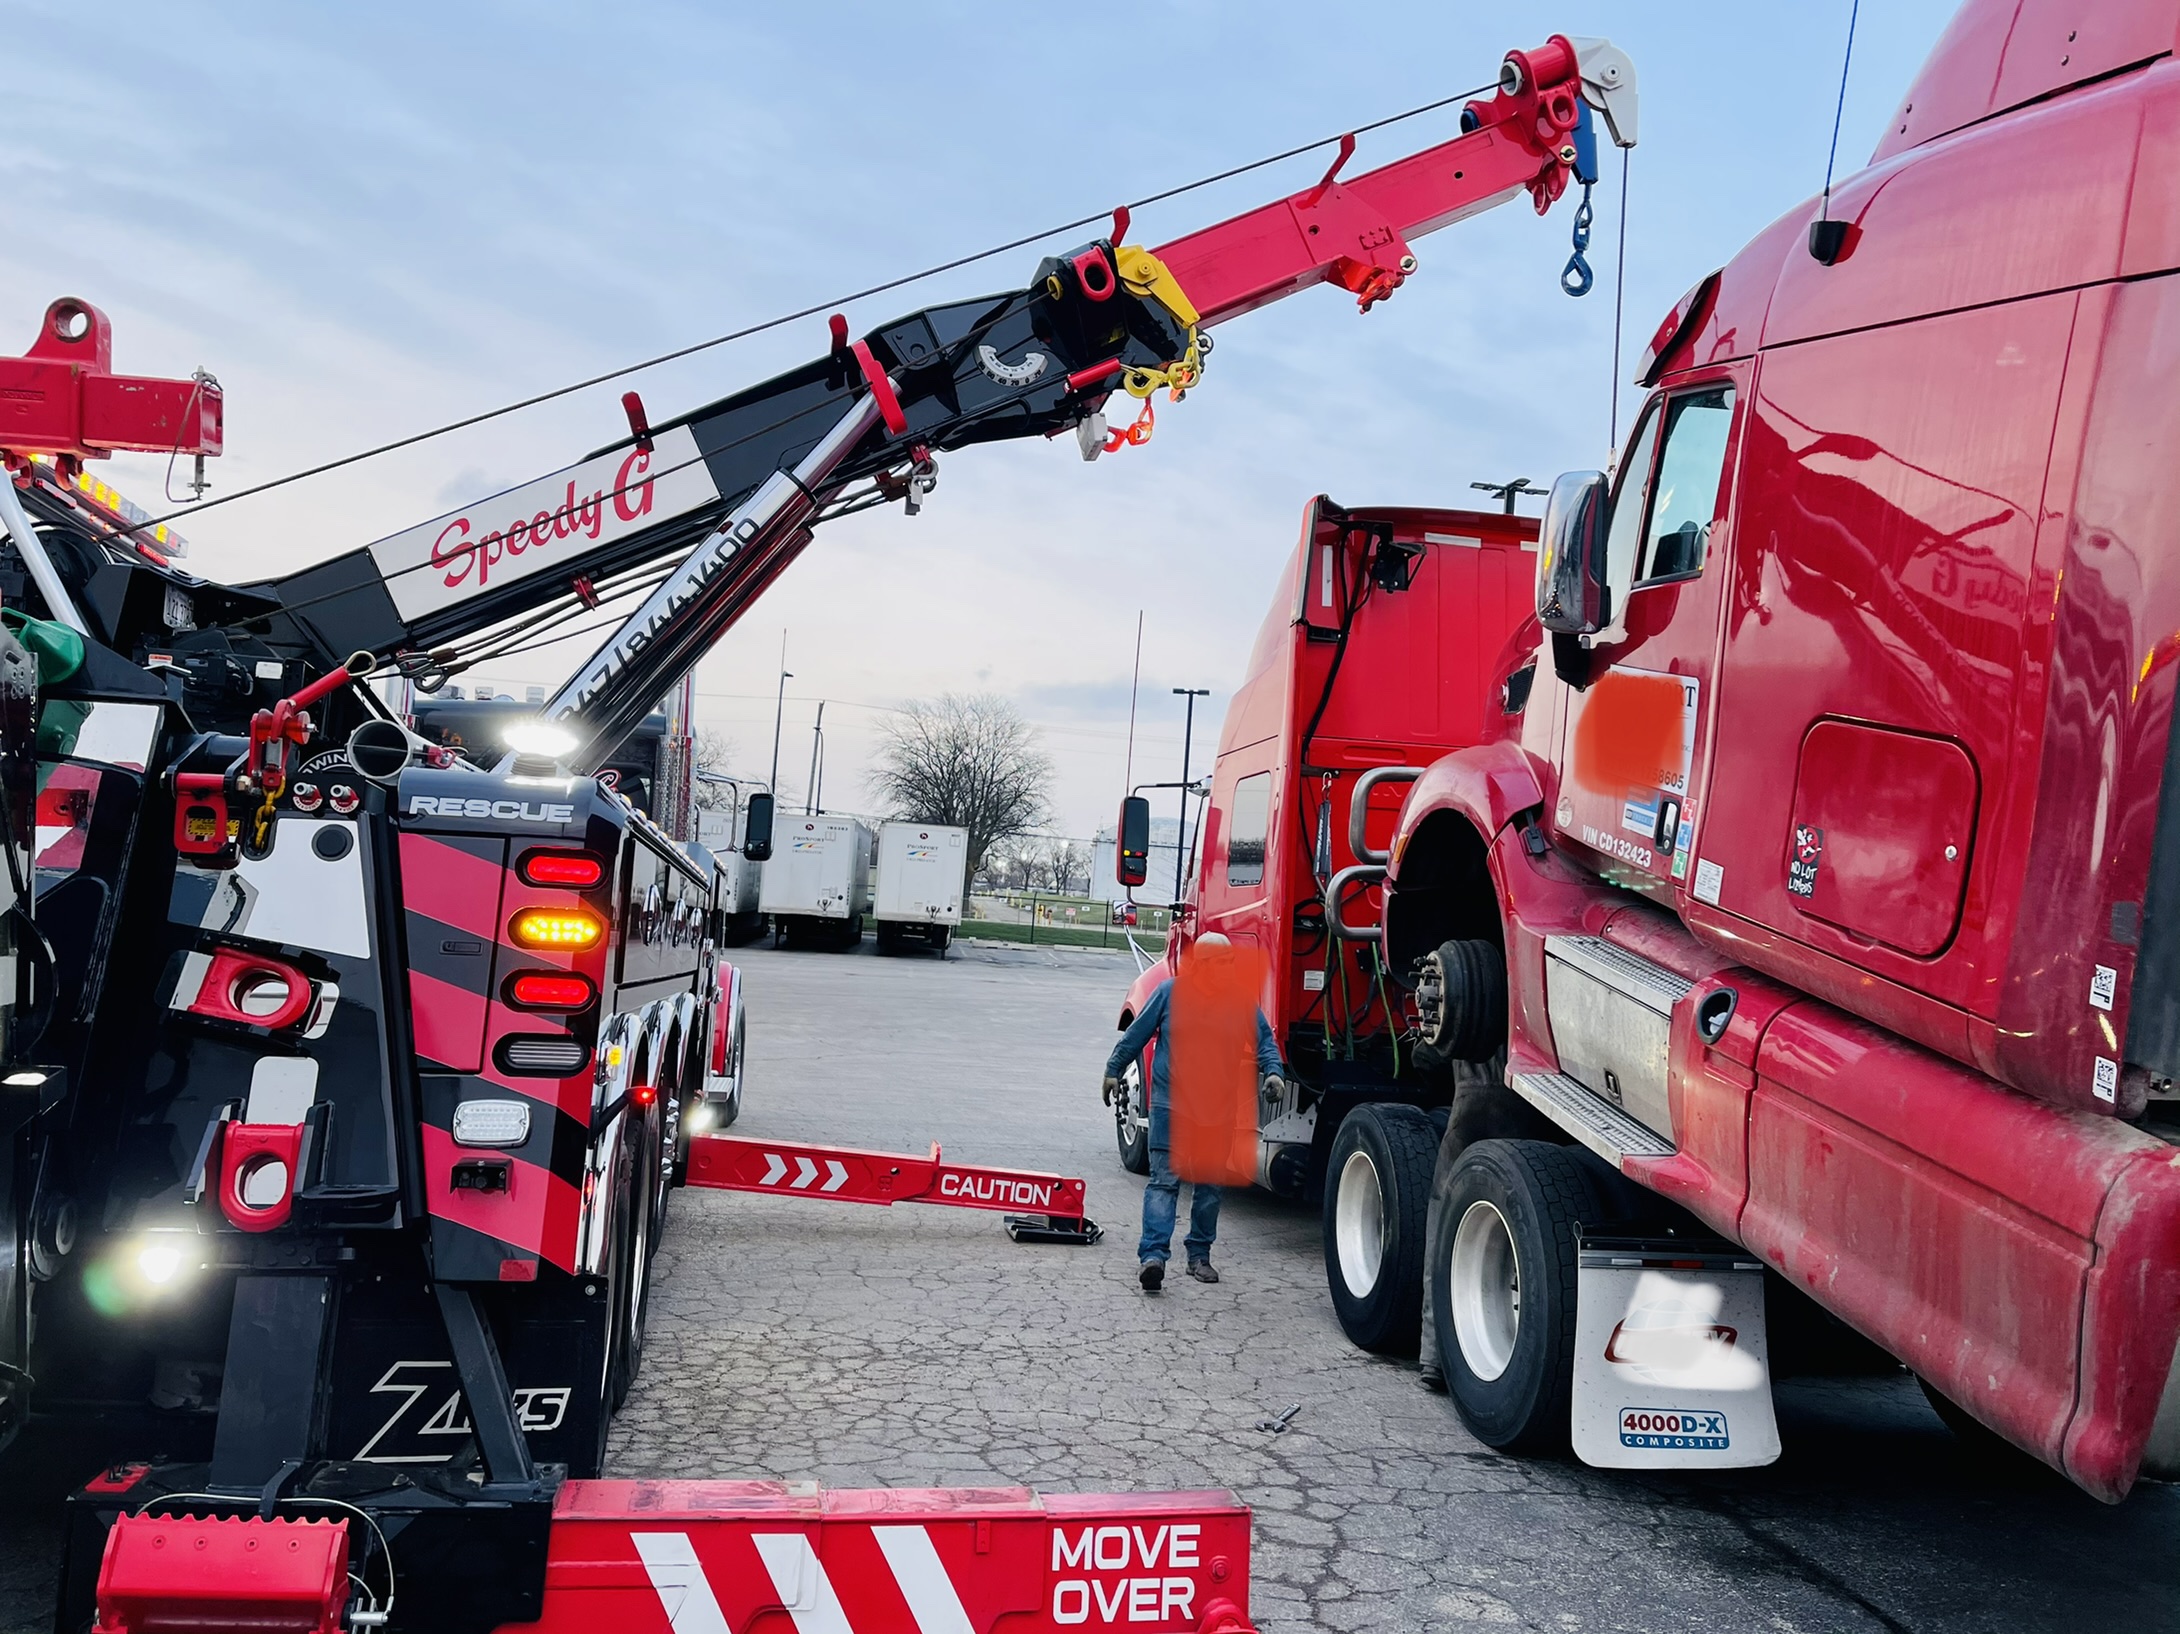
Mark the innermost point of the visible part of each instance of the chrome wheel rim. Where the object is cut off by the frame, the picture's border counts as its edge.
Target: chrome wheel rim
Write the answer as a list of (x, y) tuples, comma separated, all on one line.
[(1129, 1109), (1484, 1291), (1358, 1224)]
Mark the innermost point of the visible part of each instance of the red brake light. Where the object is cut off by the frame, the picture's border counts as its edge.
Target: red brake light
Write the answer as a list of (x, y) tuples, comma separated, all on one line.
[(576, 870), (644, 1094), (550, 990)]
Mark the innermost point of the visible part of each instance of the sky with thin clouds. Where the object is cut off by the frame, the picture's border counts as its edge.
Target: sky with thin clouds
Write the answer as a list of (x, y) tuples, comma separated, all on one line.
[(369, 220)]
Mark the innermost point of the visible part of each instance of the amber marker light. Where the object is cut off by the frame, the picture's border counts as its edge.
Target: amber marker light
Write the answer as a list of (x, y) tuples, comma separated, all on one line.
[(556, 928)]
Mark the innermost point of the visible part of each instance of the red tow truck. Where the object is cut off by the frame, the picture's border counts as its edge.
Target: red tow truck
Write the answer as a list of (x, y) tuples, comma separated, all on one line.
[(355, 1073), (1813, 884)]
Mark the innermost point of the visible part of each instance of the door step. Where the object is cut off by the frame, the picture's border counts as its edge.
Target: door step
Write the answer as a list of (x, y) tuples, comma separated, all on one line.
[(1589, 1117)]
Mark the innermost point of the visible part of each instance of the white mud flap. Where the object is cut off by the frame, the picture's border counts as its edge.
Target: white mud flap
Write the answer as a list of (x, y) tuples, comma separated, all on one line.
[(1671, 1369)]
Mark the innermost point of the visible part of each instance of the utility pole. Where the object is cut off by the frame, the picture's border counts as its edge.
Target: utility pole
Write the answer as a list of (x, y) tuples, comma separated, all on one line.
[(817, 747), (1188, 731), (779, 708)]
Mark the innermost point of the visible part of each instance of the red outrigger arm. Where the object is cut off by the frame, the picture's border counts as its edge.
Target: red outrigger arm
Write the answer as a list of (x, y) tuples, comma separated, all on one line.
[(62, 397), (842, 1174), (736, 1557)]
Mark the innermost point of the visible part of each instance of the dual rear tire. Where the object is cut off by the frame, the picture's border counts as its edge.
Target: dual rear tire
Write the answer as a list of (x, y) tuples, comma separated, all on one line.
[(1497, 1253), (1377, 1200), (1503, 1269)]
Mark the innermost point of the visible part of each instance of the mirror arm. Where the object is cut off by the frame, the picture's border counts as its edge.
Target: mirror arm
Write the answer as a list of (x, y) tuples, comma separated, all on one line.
[(1571, 661)]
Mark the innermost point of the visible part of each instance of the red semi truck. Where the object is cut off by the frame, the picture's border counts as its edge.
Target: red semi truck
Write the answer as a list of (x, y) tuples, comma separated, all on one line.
[(1818, 871)]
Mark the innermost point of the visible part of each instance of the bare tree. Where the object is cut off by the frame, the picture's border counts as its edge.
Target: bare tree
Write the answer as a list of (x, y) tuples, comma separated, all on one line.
[(1070, 863), (966, 760), (714, 749)]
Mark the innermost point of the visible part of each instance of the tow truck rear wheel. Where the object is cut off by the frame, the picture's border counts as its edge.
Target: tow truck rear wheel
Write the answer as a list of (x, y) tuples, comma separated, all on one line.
[(1132, 1119), (1377, 1203), (1503, 1268), (632, 1262)]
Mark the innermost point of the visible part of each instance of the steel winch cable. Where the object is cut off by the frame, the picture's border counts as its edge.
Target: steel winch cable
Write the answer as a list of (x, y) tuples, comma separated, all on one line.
[(832, 304)]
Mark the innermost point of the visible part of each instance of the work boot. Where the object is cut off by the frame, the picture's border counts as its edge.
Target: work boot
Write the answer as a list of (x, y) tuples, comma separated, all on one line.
[(1201, 1270), (1152, 1276)]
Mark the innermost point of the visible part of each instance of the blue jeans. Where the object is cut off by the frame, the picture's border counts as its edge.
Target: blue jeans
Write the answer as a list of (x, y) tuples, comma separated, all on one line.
[(1162, 1201)]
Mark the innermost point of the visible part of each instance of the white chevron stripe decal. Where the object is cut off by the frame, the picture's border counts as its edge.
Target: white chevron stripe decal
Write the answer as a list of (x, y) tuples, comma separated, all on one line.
[(923, 1580), (669, 1559), (798, 1578), (840, 1175)]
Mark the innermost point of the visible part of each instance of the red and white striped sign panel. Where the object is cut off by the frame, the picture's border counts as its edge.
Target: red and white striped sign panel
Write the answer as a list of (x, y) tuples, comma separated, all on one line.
[(763, 1557)]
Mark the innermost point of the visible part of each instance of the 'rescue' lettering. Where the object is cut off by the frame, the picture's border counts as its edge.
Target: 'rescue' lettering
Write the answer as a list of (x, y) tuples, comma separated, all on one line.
[(985, 1188), (506, 811)]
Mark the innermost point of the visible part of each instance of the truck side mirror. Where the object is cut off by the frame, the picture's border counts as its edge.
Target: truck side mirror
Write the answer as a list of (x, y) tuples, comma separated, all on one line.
[(1132, 856), (1572, 595), (757, 827)]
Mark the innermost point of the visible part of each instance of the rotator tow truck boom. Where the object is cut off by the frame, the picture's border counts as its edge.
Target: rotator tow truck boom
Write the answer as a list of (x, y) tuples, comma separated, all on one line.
[(386, 1161)]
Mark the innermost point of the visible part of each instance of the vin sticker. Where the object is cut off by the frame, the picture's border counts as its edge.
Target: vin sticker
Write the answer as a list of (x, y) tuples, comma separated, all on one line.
[(2106, 1086), (2103, 984), (1710, 880)]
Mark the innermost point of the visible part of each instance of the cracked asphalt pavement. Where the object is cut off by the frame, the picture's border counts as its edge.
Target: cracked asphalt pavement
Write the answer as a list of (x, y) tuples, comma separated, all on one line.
[(919, 1346)]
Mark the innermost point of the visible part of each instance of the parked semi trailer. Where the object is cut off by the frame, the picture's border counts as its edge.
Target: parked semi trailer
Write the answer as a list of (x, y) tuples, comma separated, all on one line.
[(817, 883), (1818, 881), (357, 1069), (921, 882)]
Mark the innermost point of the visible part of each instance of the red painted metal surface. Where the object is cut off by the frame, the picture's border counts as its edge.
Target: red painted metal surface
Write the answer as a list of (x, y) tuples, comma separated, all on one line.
[(174, 1574), (1469, 589), (843, 1174), (243, 1151), (1936, 614), (751, 1557), (757, 1557), (1355, 232), (62, 397)]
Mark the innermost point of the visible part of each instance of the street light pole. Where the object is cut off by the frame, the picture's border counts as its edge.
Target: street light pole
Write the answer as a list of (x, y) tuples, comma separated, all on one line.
[(1188, 731), (779, 708)]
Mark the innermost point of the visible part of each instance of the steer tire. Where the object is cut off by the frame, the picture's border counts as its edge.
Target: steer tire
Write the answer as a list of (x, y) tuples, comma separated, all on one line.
[(1506, 1231), (1377, 1203)]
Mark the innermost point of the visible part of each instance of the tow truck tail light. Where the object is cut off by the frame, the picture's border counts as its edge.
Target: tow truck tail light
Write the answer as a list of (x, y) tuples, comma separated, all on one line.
[(550, 990), (577, 870), (545, 927)]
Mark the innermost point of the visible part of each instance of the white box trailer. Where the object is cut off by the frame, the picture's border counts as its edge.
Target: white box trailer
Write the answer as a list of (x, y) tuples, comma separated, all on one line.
[(817, 880), (720, 831), (922, 868)]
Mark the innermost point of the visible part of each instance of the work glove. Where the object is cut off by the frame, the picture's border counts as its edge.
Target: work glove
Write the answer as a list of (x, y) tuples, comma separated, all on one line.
[(1111, 1090), (1272, 1090)]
